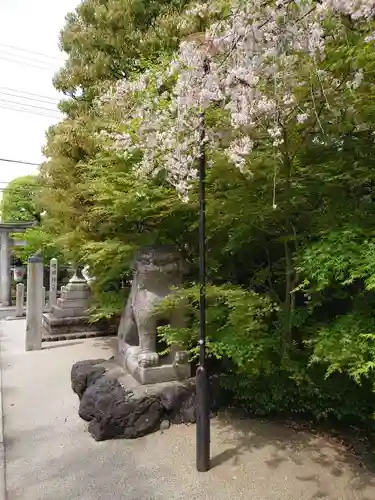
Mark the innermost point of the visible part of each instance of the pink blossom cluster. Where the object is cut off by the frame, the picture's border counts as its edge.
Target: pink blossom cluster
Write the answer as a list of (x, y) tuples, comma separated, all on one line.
[(252, 64)]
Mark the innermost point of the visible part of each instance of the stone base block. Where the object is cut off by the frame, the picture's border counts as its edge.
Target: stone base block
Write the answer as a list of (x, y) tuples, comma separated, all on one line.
[(75, 294), (73, 303), (77, 312), (116, 405), (76, 287), (167, 371), (74, 327)]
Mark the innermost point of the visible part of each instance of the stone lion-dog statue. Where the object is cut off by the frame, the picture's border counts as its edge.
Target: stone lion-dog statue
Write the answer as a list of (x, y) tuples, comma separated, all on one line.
[(157, 269)]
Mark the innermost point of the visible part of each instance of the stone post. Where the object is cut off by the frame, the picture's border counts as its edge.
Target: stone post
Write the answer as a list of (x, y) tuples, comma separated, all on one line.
[(20, 297), (53, 270), (5, 269), (34, 306), (44, 297)]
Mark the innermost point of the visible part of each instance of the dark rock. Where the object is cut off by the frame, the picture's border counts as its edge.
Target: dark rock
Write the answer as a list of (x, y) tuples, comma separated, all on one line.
[(172, 395), (99, 396), (179, 402), (186, 412), (84, 374), (113, 412)]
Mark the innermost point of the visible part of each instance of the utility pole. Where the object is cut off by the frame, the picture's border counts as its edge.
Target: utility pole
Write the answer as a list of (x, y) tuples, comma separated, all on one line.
[(202, 382)]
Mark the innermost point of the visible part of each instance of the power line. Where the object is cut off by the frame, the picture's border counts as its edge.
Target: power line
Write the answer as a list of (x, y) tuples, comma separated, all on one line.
[(8, 101), (12, 108), (20, 49), (7, 89), (27, 109), (5, 57), (27, 98), (8, 160), (26, 57), (27, 62)]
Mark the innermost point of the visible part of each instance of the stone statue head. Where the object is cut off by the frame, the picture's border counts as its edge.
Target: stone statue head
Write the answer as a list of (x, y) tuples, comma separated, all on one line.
[(164, 259)]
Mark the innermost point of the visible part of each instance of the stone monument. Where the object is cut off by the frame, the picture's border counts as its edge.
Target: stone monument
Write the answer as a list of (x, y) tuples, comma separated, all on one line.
[(157, 270), (75, 298), (20, 300), (53, 274), (69, 318), (140, 391), (34, 303)]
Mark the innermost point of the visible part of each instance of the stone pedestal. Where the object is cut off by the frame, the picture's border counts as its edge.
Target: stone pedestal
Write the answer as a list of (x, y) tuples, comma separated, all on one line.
[(69, 318), (167, 371)]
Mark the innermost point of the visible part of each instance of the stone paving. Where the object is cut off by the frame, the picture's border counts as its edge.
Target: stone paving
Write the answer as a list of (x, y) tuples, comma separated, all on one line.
[(50, 455)]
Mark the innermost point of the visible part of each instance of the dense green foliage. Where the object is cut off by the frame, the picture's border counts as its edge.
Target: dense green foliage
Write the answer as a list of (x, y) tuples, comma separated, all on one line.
[(238, 325), (20, 200), (291, 303)]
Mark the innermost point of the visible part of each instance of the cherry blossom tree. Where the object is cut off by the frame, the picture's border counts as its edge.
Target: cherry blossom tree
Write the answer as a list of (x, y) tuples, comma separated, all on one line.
[(280, 72)]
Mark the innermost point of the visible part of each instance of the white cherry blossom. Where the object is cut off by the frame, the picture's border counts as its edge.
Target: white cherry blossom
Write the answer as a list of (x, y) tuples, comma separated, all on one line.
[(261, 63)]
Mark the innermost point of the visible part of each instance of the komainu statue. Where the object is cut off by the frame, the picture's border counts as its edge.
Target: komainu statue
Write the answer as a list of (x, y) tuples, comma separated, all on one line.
[(156, 270)]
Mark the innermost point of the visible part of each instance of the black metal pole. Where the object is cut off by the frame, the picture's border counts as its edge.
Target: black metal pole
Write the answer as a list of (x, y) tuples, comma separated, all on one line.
[(202, 384)]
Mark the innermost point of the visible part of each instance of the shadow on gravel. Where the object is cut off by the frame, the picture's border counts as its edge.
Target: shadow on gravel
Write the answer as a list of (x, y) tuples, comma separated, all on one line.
[(285, 444)]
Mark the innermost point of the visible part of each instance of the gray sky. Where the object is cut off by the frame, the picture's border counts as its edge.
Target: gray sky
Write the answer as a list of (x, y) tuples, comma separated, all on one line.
[(29, 57)]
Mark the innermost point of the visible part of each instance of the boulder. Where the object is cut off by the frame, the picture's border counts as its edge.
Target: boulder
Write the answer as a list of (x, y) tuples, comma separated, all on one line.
[(85, 373), (114, 412), (128, 409), (178, 401), (185, 411)]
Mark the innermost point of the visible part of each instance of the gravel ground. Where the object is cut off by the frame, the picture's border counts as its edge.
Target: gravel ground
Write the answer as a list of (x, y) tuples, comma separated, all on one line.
[(50, 455)]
